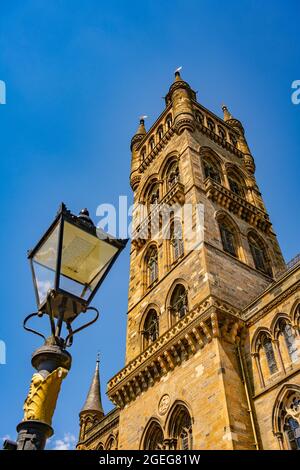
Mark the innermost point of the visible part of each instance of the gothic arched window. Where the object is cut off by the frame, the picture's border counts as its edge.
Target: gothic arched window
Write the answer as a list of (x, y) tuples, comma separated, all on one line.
[(152, 265), (211, 170), (111, 443), (222, 133), (154, 437), (153, 195), (199, 117), (181, 428), (259, 254), (169, 122), (151, 143), (173, 174), (236, 184), (211, 125), (233, 139), (150, 331), (292, 429), (267, 345), (176, 240), (179, 302), (143, 154), (286, 417), (289, 336), (160, 132), (228, 237)]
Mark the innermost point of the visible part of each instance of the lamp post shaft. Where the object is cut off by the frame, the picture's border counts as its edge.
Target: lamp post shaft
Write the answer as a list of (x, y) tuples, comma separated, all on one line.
[(52, 364)]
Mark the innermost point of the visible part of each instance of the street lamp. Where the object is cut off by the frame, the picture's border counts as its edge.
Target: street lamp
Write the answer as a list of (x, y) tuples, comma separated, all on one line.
[(68, 265)]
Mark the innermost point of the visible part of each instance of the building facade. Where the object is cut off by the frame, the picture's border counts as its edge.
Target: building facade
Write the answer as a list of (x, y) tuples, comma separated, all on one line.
[(212, 348)]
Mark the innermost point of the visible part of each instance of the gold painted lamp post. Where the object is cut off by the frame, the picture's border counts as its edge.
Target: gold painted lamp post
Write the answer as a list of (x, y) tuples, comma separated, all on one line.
[(68, 265)]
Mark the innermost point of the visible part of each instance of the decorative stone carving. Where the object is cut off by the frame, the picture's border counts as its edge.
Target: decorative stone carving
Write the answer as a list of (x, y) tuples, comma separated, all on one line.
[(164, 404)]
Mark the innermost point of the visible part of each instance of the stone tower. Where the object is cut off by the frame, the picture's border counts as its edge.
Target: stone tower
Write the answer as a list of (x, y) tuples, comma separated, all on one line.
[(184, 384)]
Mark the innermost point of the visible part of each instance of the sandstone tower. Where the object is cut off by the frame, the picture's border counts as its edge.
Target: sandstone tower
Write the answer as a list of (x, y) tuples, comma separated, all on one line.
[(205, 334)]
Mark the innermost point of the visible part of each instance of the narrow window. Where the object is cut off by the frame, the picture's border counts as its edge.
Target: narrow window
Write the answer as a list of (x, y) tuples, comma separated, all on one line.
[(151, 328), (210, 171), (259, 255), (152, 266), (290, 341), (179, 302), (222, 133), (176, 240), (173, 175), (228, 239), (269, 352), (292, 429), (211, 125)]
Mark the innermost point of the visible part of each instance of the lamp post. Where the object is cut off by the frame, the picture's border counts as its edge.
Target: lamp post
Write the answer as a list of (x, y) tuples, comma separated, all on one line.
[(68, 265)]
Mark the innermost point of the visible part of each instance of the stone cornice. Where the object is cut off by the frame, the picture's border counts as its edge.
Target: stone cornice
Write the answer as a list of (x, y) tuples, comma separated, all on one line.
[(183, 340), (261, 312), (237, 205)]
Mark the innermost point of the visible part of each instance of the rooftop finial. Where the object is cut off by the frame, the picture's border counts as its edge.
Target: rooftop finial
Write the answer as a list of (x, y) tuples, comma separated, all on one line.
[(141, 128), (177, 73), (98, 357), (227, 114)]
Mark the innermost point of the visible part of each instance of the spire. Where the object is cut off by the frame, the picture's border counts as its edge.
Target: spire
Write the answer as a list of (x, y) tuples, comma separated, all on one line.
[(140, 133), (177, 75), (141, 129), (93, 400), (227, 116)]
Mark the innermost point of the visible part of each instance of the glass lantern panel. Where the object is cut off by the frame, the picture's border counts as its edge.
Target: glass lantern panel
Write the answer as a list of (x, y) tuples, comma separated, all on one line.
[(44, 264), (85, 259)]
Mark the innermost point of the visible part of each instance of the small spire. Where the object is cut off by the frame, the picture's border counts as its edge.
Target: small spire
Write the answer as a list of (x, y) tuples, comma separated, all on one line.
[(227, 116), (93, 400), (141, 128), (177, 74)]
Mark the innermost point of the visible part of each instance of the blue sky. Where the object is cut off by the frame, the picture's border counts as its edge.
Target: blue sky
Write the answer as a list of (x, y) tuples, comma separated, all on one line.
[(78, 75)]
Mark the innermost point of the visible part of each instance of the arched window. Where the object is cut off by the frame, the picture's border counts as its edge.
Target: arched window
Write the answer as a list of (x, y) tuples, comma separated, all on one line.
[(154, 437), (222, 133), (287, 331), (211, 125), (179, 302), (292, 430), (228, 237), (169, 122), (199, 117), (143, 154), (152, 265), (233, 139), (176, 240), (185, 436), (236, 185), (286, 417), (160, 133), (153, 195), (111, 443), (100, 446), (211, 170), (259, 254), (181, 428), (150, 331), (267, 345), (151, 143), (173, 174)]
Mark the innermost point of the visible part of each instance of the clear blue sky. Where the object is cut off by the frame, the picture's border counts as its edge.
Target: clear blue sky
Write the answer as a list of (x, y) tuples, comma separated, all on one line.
[(78, 75)]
